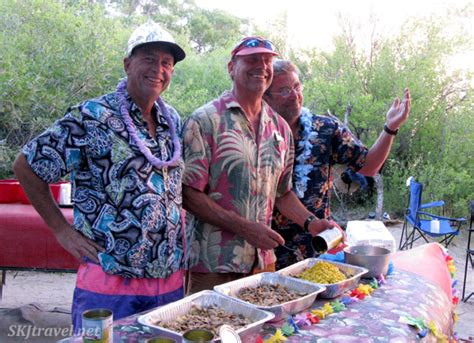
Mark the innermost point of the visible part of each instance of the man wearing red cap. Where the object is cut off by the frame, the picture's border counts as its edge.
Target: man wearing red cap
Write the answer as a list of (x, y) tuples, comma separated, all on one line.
[(238, 164), (124, 156)]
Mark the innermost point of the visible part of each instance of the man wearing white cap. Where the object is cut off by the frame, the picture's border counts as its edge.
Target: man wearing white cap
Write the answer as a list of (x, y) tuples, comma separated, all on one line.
[(124, 156), (239, 158)]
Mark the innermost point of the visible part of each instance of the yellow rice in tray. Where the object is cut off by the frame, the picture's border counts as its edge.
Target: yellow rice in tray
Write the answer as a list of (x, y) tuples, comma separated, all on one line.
[(323, 272)]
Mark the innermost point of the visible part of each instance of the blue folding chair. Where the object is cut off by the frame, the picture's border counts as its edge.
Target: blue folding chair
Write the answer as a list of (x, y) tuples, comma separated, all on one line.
[(469, 256), (426, 224)]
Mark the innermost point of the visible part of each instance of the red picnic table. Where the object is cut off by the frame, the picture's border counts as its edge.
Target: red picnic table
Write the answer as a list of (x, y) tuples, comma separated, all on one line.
[(26, 242)]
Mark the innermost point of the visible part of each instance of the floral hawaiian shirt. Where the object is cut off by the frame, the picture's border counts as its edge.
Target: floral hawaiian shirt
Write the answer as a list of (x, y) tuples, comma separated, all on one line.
[(323, 141), (241, 171), (121, 201)]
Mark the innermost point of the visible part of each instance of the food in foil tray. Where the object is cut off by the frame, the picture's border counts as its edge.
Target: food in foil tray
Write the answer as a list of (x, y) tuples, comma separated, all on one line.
[(323, 272), (209, 318), (268, 295)]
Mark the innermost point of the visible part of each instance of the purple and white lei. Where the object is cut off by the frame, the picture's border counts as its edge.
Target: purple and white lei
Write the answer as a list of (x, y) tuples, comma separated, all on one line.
[(123, 108)]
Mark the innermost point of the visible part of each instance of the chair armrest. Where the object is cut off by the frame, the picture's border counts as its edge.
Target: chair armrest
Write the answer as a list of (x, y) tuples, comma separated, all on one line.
[(442, 217), (433, 204)]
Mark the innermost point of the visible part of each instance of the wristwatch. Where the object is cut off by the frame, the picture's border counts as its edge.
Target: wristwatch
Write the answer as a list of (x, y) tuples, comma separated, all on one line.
[(390, 132), (308, 221)]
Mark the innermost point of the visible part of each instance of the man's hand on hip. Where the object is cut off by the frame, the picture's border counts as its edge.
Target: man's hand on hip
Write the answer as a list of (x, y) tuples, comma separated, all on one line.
[(78, 245)]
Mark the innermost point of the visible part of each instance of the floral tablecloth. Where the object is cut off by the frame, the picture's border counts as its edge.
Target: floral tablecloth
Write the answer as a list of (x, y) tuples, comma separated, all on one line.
[(374, 319)]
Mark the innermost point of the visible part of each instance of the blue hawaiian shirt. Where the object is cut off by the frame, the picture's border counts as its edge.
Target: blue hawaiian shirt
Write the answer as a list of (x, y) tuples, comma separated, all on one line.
[(322, 142), (121, 201)]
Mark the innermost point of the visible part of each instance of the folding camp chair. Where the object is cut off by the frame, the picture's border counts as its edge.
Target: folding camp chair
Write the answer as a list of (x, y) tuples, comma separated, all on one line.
[(469, 257), (425, 224)]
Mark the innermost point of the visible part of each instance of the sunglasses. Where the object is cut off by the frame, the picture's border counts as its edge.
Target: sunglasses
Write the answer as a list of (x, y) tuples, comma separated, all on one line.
[(254, 42)]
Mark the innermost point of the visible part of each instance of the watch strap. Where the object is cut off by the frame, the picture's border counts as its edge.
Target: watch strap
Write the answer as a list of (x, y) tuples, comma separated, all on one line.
[(308, 221), (390, 132)]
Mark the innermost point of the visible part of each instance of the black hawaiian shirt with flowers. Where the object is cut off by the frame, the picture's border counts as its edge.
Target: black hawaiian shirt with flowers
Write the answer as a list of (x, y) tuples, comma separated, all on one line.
[(121, 201), (322, 142)]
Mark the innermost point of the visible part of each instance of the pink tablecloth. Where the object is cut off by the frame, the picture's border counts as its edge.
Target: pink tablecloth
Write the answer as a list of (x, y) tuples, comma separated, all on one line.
[(428, 261)]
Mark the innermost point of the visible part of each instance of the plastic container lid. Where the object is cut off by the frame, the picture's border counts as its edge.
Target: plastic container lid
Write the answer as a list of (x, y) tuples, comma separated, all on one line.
[(228, 335)]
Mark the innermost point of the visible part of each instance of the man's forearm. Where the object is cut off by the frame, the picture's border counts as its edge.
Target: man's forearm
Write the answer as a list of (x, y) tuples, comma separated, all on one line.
[(39, 194), (377, 154), (291, 207), (40, 197)]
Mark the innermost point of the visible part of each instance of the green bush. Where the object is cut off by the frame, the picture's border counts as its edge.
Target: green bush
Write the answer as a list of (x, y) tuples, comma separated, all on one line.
[(58, 53), (53, 56)]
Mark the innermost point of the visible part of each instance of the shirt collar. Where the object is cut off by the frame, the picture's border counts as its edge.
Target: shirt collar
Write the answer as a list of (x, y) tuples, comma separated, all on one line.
[(136, 114), (229, 101)]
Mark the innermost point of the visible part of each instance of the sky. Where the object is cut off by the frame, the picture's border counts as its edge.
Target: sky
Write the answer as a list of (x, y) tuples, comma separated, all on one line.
[(313, 23)]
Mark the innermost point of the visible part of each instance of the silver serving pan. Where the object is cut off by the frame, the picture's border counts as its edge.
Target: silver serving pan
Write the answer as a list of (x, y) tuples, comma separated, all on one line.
[(353, 274), (231, 289), (170, 312)]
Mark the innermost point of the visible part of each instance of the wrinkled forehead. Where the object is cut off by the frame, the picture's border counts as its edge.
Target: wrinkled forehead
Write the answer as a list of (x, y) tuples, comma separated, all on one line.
[(153, 49), (286, 78)]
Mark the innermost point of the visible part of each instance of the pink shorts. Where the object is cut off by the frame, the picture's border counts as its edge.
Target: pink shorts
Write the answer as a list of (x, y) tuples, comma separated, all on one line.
[(124, 296)]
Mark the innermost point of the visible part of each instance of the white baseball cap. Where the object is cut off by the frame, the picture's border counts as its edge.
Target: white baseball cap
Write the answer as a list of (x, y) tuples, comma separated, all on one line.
[(151, 32)]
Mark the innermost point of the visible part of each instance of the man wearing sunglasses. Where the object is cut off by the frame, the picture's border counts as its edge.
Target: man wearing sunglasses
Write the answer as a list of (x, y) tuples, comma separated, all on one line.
[(321, 142), (238, 164)]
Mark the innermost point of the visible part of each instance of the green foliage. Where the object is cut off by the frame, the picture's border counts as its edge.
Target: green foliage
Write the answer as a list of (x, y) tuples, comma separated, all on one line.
[(58, 53), (209, 30), (52, 57), (198, 80), (436, 144), (204, 30)]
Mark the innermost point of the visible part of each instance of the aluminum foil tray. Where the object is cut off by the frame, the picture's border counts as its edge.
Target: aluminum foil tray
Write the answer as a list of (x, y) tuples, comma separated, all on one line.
[(170, 312), (231, 289), (353, 274)]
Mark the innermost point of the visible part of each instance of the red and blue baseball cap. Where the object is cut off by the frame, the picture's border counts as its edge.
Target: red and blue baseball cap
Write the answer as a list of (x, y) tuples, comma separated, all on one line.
[(254, 45)]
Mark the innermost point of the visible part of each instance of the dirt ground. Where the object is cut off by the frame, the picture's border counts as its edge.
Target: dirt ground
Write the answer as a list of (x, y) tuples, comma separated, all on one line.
[(34, 304)]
